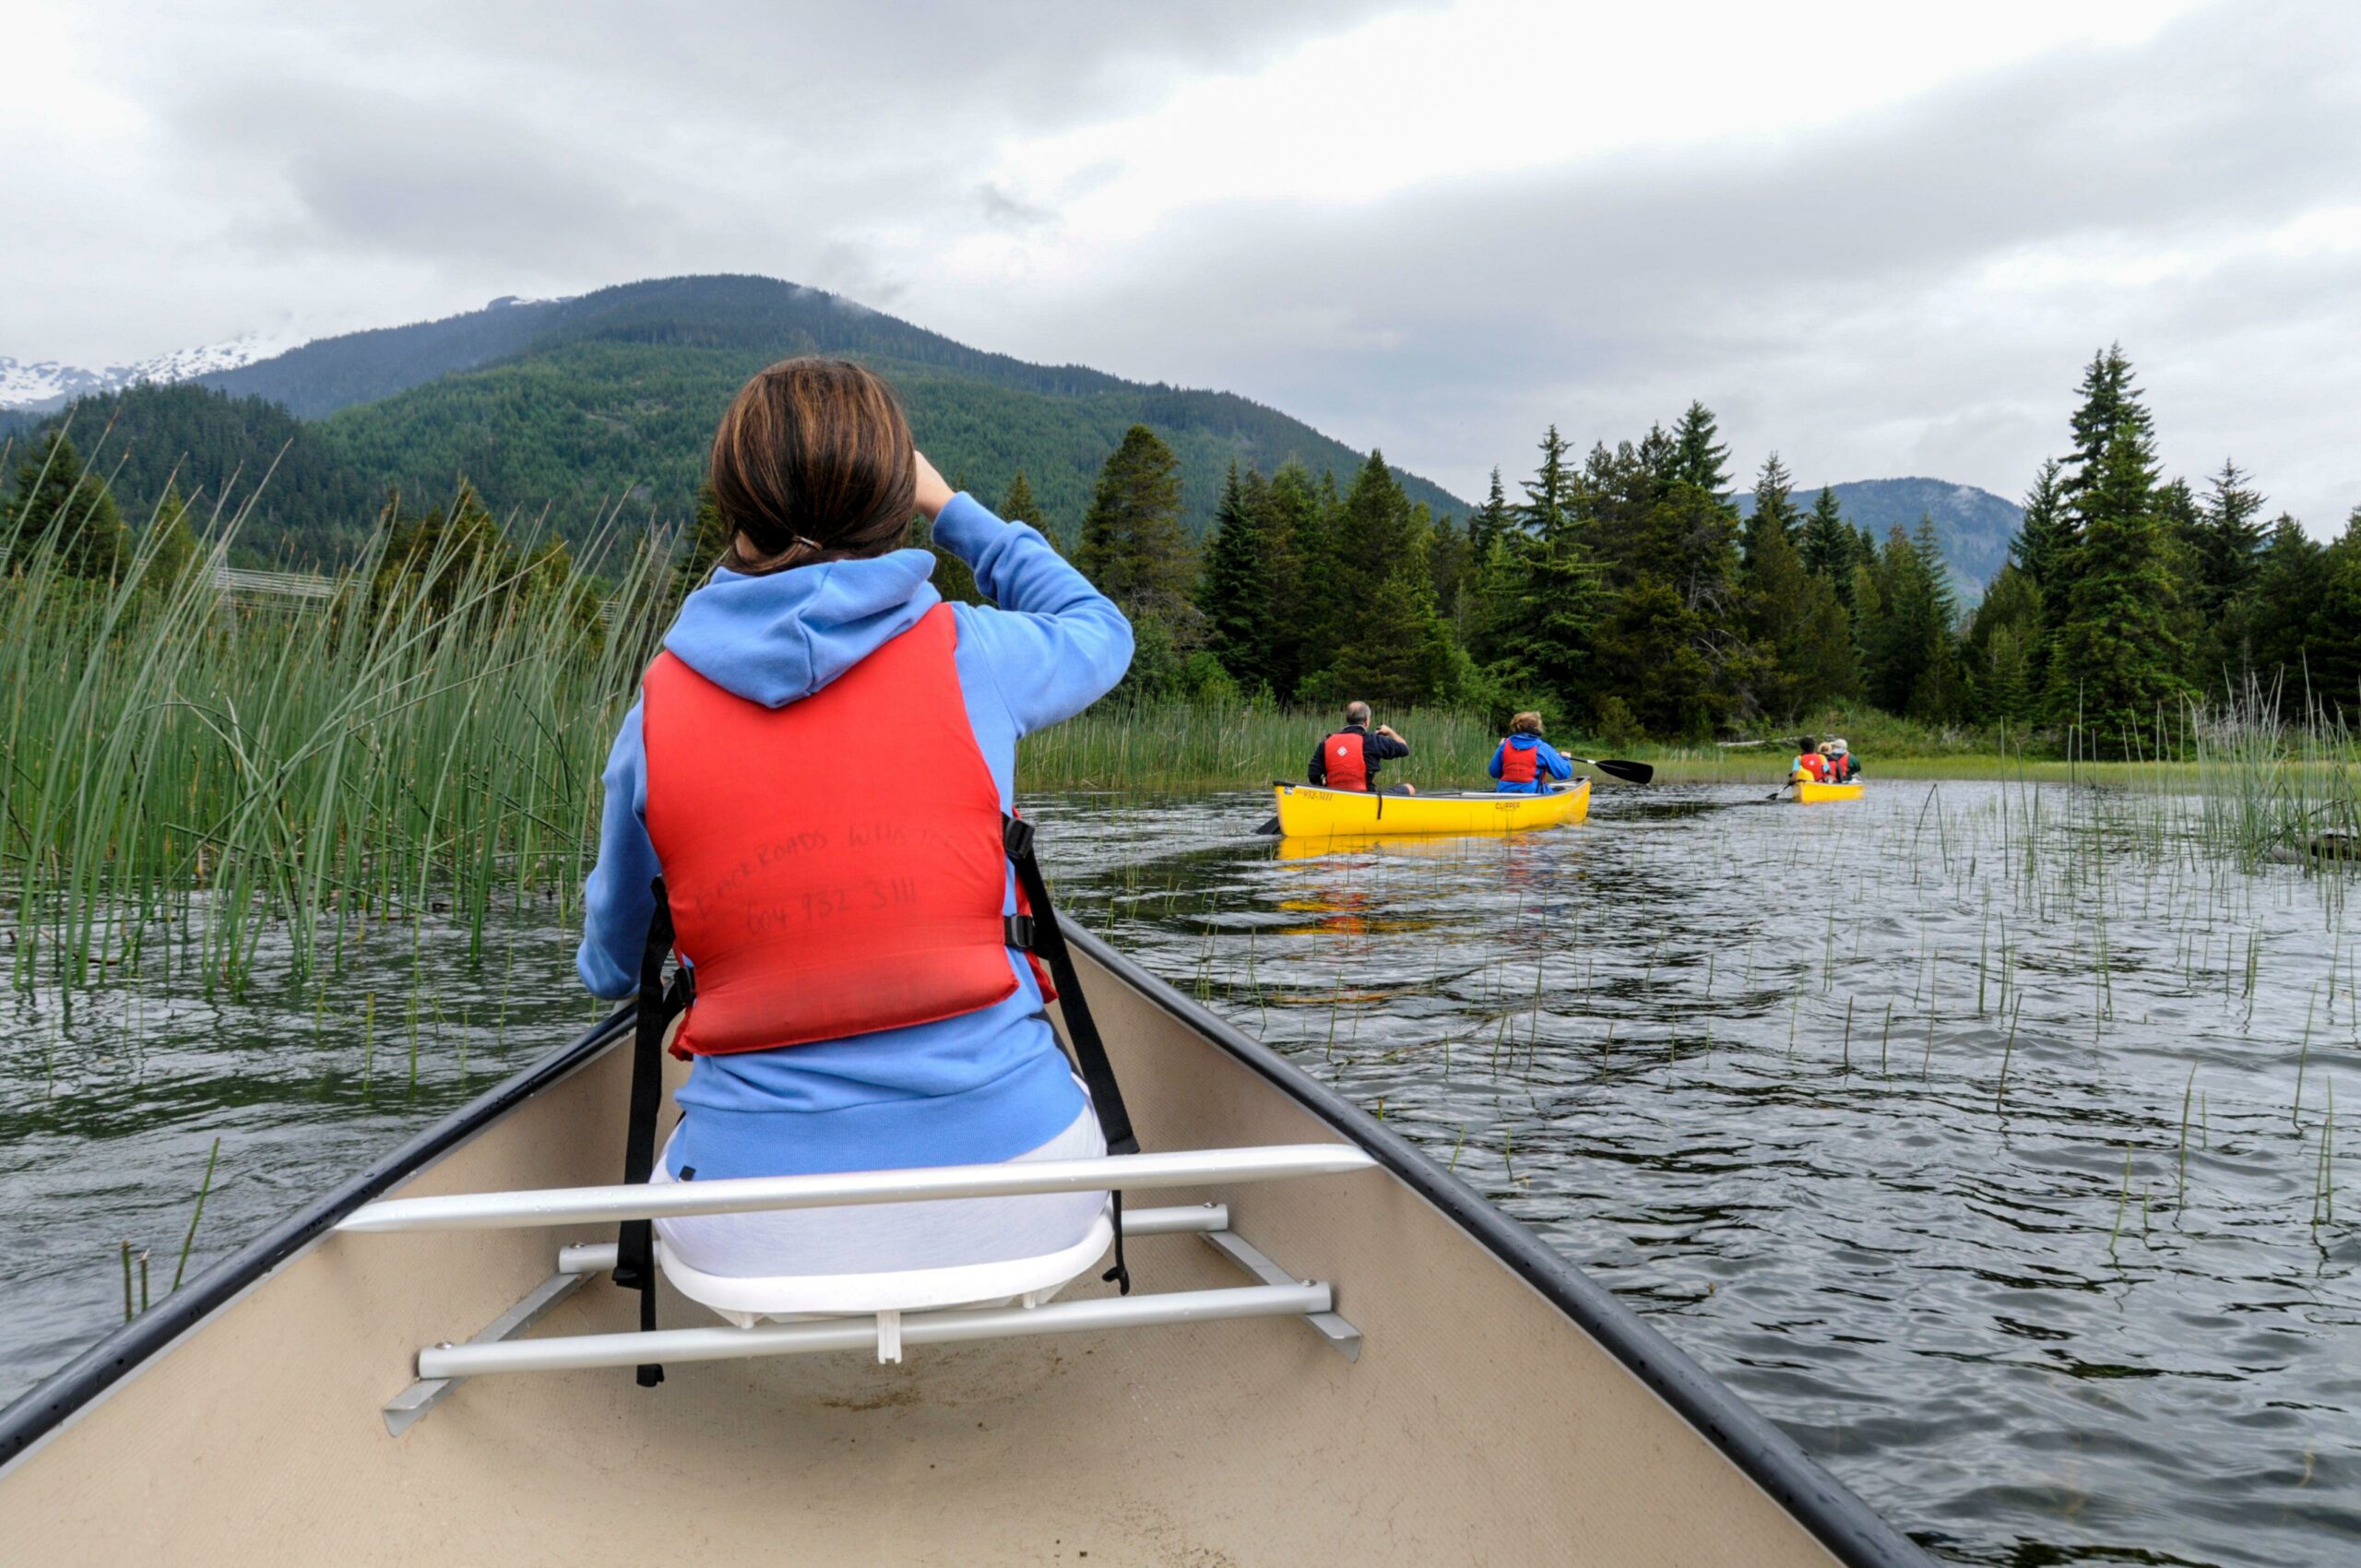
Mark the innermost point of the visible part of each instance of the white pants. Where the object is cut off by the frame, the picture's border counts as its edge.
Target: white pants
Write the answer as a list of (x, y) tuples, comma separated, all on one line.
[(879, 1238)]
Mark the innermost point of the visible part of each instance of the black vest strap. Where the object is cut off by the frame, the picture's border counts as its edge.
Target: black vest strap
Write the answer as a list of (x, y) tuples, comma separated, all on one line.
[(1082, 1030), (636, 1245)]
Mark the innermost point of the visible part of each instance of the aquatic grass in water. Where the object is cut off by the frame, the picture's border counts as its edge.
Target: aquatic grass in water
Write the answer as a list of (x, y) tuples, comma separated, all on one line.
[(1166, 749), (177, 768)]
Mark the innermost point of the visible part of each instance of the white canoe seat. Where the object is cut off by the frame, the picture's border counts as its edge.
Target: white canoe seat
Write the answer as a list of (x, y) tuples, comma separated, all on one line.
[(746, 1300), (789, 1315)]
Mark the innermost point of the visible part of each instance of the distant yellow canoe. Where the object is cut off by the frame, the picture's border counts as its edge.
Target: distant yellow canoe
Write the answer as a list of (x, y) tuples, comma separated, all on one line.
[(1812, 794), (1307, 812)]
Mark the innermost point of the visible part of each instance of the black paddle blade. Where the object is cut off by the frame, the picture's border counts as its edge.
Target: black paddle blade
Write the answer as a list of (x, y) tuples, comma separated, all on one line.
[(1630, 772), (1270, 829)]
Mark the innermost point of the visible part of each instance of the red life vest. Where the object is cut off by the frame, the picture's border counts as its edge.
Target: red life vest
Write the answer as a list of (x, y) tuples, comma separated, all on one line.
[(823, 883), (1519, 765), (1813, 763), (1345, 764)]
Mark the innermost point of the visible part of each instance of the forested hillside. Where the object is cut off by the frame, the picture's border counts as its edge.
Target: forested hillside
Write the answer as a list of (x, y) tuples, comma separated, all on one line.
[(602, 405)]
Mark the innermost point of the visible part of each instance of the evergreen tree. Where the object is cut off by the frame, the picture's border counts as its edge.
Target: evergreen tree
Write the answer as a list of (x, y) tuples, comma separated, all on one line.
[(1235, 592), (2229, 542), (2116, 661), (1544, 602), (1298, 538), (1908, 647), (1998, 651), (1132, 548), (441, 559), (1803, 640), (2046, 531), (60, 503), (707, 543), (1018, 505), (1773, 501), (1449, 563), (1829, 546), (1549, 495), (1372, 533), (2335, 653), (2291, 583), (1489, 521), (2110, 406), (171, 544), (1698, 458), (1401, 654)]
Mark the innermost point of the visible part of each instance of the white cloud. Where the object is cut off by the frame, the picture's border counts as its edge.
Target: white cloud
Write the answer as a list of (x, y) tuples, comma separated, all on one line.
[(1878, 238)]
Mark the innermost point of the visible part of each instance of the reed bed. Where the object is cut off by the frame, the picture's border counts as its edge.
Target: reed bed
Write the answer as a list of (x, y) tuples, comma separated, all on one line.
[(1162, 750), (176, 767)]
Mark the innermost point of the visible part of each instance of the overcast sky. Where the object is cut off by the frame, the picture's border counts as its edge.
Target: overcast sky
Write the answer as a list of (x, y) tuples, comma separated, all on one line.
[(1876, 239)]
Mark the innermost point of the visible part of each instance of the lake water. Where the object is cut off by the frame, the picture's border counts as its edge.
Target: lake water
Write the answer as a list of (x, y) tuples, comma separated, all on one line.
[(1980, 1136)]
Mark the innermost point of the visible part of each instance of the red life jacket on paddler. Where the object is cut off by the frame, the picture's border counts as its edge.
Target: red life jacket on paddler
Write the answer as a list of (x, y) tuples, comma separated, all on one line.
[(1344, 763), (1519, 765), (824, 880)]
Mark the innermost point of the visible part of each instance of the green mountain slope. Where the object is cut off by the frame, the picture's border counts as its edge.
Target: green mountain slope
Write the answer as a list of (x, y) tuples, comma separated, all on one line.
[(609, 399), (1974, 525)]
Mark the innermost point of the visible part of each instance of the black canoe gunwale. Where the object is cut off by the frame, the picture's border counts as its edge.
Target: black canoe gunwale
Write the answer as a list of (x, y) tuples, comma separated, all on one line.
[(1841, 1522)]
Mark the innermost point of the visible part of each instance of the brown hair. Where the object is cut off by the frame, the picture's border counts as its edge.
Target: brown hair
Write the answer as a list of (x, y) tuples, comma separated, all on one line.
[(811, 463), (1527, 723)]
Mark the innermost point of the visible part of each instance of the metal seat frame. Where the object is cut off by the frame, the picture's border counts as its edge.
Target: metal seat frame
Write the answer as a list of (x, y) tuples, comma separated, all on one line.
[(500, 1346)]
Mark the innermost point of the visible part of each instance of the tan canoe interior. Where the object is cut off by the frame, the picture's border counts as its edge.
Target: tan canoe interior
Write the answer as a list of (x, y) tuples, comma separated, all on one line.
[(1480, 1426)]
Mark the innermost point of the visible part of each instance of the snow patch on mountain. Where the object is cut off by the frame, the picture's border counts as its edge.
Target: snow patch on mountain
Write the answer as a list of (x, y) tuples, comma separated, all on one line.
[(39, 386)]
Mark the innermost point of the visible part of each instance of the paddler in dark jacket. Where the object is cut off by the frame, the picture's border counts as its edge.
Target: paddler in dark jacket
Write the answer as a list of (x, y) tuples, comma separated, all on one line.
[(1348, 758)]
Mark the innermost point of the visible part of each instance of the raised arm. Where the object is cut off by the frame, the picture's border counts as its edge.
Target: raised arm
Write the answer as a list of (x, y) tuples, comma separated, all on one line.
[(1056, 644)]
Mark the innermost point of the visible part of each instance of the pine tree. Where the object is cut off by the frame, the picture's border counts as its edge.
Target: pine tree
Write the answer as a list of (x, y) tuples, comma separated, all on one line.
[(1774, 500), (707, 543), (1998, 649), (2229, 543), (1489, 521), (1803, 637), (1449, 563), (171, 544), (440, 559), (1401, 654), (2110, 406), (1698, 458), (2335, 657), (1298, 538), (1235, 592), (2116, 661), (1549, 495), (1543, 605), (2291, 583), (60, 503), (2046, 531), (1373, 532), (1829, 546), (1132, 547), (1018, 505)]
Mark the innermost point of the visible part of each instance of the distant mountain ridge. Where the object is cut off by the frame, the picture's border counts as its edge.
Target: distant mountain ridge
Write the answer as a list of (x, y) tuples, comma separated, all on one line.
[(1974, 526), (601, 406), (43, 386)]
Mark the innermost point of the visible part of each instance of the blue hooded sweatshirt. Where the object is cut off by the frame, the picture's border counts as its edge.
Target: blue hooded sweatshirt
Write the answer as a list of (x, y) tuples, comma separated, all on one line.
[(986, 1086), (1552, 765)]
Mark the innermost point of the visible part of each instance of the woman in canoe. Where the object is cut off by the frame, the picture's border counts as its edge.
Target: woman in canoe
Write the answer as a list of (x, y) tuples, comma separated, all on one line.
[(1524, 761), (817, 768)]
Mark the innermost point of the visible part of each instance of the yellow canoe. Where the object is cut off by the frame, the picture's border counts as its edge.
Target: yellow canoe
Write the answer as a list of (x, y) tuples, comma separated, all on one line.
[(1309, 811), (1809, 793)]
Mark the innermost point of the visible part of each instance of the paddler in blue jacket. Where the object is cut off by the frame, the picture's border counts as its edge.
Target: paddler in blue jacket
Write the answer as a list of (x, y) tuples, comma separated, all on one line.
[(1525, 760)]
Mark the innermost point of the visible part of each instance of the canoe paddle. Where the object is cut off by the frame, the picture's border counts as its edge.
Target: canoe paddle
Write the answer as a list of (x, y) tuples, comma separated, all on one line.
[(1630, 772)]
